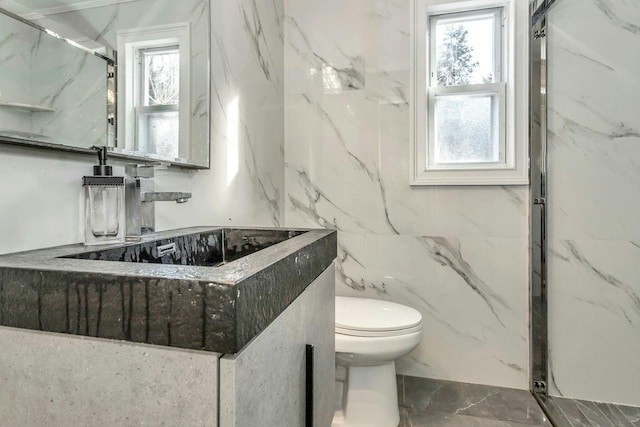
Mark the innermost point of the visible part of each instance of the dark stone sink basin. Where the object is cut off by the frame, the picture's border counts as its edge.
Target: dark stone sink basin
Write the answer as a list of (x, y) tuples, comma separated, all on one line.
[(203, 288), (208, 249)]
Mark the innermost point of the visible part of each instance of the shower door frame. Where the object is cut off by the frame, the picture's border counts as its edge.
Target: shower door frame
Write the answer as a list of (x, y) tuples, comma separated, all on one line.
[(538, 196), (539, 342)]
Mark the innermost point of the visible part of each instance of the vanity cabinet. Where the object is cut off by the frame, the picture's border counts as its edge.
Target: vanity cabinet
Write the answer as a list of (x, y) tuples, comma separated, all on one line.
[(58, 380), (265, 384), (94, 340)]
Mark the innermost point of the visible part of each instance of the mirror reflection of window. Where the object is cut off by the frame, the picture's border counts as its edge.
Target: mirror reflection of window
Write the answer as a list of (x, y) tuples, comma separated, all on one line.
[(154, 88), (157, 109)]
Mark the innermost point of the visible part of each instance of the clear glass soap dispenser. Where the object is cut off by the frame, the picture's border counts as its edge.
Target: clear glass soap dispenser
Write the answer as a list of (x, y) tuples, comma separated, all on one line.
[(104, 204)]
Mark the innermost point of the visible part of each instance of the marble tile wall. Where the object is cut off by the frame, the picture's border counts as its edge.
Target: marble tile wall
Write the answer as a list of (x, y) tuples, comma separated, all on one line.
[(594, 188), (245, 185), (458, 254), (248, 83)]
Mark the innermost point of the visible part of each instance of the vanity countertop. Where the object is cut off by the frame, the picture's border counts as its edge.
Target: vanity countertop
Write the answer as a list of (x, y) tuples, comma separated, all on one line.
[(208, 308)]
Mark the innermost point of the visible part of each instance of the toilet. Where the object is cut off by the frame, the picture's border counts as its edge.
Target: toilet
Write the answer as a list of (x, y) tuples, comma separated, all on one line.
[(370, 335)]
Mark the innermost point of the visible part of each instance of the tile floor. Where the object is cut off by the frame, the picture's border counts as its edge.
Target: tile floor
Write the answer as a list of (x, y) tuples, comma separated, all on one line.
[(581, 413), (437, 403)]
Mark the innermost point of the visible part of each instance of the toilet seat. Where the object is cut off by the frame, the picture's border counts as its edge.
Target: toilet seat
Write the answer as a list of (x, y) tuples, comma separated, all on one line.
[(375, 318), (357, 333)]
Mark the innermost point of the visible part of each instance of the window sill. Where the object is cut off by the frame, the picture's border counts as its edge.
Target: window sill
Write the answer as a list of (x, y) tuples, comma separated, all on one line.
[(470, 177)]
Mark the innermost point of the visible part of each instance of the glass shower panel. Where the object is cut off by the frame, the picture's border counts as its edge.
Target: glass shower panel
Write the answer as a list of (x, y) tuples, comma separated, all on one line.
[(593, 165)]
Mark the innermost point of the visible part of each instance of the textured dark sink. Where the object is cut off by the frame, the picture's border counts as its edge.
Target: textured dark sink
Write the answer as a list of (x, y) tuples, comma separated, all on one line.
[(209, 249), (215, 289)]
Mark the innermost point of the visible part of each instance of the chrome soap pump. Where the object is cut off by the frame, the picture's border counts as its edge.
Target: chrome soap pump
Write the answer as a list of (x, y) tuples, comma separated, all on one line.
[(104, 204)]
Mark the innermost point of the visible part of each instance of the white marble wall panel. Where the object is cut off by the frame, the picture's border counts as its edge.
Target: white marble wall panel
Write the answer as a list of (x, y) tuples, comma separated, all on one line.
[(465, 290), (247, 107), (458, 254), (595, 319), (245, 185), (594, 189)]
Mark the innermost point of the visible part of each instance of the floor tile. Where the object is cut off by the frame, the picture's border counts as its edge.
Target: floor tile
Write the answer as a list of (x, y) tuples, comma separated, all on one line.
[(632, 413), (613, 414), (443, 419), (581, 413), (434, 403), (565, 412), (496, 403)]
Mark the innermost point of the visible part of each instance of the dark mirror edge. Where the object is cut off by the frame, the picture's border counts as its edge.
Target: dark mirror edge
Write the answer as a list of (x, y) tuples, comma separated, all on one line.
[(113, 153)]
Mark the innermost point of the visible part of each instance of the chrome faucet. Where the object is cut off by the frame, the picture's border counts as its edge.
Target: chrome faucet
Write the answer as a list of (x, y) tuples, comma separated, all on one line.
[(139, 200)]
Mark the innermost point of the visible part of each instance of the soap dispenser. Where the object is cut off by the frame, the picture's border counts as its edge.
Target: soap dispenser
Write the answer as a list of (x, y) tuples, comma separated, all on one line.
[(104, 204)]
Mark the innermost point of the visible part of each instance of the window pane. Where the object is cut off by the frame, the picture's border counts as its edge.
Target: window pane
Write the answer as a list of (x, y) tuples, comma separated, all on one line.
[(158, 133), (464, 47), (161, 77), (465, 129)]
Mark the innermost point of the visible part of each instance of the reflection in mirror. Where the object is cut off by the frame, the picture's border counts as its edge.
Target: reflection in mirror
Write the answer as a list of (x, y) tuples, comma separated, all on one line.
[(153, 84), (158, 101), (162, 51), (50, 91)]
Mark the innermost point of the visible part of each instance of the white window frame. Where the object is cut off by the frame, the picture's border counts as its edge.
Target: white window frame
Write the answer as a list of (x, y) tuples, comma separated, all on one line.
[(130, 41), (512, 166)]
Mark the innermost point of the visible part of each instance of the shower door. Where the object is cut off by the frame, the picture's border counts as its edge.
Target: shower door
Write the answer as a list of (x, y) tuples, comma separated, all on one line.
[(585, 217)]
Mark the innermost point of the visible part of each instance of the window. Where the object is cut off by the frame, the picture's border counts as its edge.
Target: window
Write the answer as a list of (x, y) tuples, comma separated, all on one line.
[(464, 95), (153, 81), (157, 103)]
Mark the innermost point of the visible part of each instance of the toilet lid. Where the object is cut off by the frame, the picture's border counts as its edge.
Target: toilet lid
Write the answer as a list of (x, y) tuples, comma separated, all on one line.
[(370, 315)]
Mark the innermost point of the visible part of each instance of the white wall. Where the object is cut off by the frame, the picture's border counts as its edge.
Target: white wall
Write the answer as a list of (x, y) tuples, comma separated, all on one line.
[(458, 254), (594, 193), (41, 203)]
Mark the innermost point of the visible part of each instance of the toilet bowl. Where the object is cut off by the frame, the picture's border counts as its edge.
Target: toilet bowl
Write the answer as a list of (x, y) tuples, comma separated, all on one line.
[(370, 335)]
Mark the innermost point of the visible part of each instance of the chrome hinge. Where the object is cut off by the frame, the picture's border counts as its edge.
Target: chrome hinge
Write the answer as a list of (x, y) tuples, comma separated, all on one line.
[(539, 201), (539, 386), (538, 34)]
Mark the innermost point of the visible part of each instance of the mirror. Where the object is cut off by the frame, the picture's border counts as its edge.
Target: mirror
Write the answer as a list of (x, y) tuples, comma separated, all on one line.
[(57, 95), (46, 86)]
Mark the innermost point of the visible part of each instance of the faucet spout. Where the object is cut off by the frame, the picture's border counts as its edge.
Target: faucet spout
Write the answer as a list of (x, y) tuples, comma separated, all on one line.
[(164, 196), (139, 200)]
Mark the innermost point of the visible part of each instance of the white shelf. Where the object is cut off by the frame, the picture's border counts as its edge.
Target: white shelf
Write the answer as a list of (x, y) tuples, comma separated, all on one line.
[(28, 107)]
